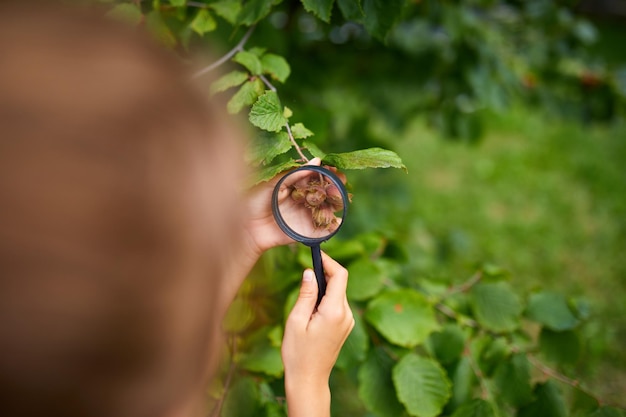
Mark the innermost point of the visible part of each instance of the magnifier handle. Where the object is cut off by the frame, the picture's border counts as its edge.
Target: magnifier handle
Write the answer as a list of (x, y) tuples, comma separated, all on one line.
[(316, 253)]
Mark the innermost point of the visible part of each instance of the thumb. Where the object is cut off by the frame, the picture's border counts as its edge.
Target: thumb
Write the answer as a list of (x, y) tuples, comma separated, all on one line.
[(307, 298)]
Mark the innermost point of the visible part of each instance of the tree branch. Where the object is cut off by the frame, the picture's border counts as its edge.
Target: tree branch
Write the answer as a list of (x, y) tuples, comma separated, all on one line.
[(228, 56)]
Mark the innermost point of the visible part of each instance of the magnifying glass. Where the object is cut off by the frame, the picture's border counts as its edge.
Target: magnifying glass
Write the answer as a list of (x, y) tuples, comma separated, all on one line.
[(310, 204)]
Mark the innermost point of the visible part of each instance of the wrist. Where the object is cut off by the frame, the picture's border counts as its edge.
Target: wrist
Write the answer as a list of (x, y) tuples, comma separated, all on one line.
[(251, 246), (307, 398)]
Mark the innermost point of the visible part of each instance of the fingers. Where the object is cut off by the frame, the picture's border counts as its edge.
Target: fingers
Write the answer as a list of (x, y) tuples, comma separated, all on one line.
[(295, 176), (339, 174), (305, 305), (314, 161), (336, 281)]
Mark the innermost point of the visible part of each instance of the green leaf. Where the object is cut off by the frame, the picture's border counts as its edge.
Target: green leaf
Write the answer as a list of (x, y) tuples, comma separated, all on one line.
[(448, 343), (365, 158), (203, 22), (287, 112), (496, 306), (227, 9), (512, 378), (463, 382), (267, 113), (551, 310), (245, 96), (320, 8), (242, 399), (314, 150), (475, 408), (127, 13), (157, 26), (404, 317), (275, 336), (560, 347), (266, 146), (381, 16), (351, 9), (421, 384), (232, 79), (355, 348), (265, 359), (368, 279), (608, 412), (376, 388), (255, 10), (250, 61), (178, 3), (548, 402), (275, 410), (300, 132), (238, 317), (276, 66), (258, 51), (582, 403), (493, 352), (270, 172)]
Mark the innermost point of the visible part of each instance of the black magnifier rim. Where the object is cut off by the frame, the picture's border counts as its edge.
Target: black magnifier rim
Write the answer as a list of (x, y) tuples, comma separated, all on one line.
[(309, 241)]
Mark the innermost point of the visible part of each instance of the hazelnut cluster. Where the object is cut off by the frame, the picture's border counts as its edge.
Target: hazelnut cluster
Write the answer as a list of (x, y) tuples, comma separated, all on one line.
[(322, 198)]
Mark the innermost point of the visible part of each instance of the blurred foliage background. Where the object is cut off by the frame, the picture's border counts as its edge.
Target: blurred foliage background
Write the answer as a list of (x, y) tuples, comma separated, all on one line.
[(510, 116), (510, 119)]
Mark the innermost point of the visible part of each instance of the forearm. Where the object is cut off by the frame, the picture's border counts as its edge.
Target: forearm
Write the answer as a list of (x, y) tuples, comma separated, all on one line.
[(307, 399)]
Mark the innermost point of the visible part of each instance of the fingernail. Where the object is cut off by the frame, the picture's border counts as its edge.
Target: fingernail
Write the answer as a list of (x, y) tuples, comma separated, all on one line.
[(308, 275)]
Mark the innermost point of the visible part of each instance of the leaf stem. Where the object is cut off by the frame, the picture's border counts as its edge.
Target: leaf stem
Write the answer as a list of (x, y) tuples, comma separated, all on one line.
[(294, 143), (228, 55)]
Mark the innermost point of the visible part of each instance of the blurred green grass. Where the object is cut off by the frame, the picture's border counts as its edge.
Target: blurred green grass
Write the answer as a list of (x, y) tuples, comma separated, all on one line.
[(545, 199)]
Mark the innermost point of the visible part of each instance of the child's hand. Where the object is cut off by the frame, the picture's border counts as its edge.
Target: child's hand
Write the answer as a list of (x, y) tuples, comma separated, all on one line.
[(262, 231), (313, 340)]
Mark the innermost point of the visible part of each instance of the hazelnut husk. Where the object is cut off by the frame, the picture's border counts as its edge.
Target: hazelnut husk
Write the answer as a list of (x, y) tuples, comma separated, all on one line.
[(322, 198)]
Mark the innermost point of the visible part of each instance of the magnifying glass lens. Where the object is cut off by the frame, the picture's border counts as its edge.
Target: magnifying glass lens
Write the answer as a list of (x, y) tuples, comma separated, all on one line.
[(309, 204), (312, 205)]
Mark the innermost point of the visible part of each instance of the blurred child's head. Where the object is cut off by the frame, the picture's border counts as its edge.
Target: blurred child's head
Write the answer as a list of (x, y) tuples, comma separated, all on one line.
[(117, 202)]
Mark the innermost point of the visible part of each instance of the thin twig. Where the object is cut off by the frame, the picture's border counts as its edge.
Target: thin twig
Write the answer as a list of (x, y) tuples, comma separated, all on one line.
[(294, 143), (454, 315), (485, 393), (196, 4), (231, 370), (465, 286), (552, 373), (267, 83), (574, 383), (229, 54)]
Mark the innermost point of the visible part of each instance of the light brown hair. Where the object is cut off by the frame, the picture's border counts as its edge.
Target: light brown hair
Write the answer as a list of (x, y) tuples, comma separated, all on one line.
[(115, 208)]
